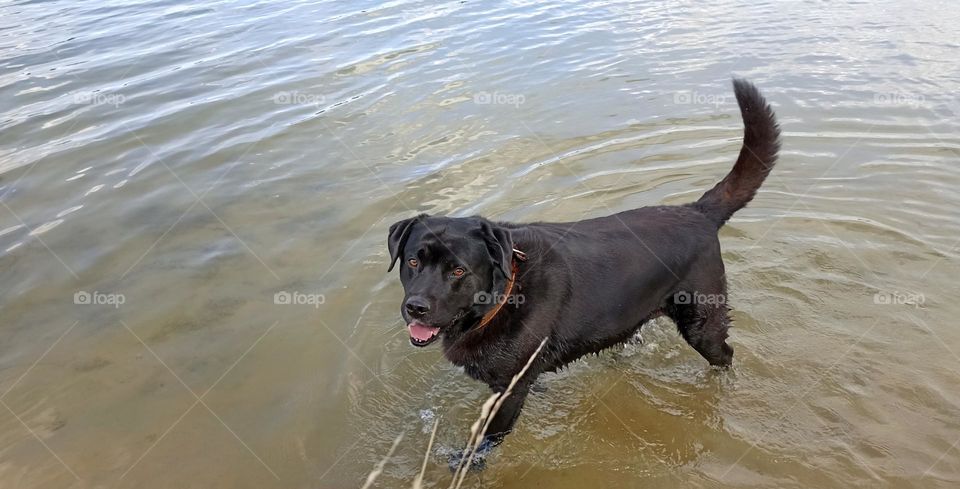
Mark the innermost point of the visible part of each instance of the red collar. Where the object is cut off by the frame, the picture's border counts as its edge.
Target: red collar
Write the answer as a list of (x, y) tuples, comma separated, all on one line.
[(519, 255)]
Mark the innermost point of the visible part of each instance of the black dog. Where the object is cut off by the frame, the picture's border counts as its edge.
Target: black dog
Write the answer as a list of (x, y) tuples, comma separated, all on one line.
[(493, 290)]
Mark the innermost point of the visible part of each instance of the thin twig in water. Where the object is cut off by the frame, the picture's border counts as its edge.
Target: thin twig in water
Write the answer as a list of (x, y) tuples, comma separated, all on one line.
[(379, 468), (418, 482), (487, 413), (474, 430)]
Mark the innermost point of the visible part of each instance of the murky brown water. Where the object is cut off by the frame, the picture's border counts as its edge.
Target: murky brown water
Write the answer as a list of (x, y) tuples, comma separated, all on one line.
[(167, 168)]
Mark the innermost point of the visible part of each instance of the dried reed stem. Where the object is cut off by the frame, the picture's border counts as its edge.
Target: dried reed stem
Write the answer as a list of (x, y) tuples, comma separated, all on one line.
[(479, 428), (379, 468), (418, 482)]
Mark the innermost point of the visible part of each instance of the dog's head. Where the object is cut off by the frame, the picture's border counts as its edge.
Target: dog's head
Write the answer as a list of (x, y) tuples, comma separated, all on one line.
[(449, 268)]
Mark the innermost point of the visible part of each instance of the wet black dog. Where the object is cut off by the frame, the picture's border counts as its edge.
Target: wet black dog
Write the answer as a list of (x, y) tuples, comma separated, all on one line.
[(493, 290)]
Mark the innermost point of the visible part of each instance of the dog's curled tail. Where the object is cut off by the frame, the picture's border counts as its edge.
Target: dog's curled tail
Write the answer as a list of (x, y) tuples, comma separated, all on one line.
[(761, 141)]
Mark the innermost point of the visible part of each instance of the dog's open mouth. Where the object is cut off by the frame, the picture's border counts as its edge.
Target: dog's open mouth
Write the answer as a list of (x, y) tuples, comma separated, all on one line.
[(421, 334)]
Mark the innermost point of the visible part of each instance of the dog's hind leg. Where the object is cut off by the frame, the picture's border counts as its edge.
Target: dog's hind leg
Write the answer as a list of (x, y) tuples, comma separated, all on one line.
[(701, 316)]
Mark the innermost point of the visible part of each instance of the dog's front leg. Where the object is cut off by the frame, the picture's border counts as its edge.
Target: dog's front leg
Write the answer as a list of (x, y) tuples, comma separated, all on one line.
[(501, 424), (506, 417)]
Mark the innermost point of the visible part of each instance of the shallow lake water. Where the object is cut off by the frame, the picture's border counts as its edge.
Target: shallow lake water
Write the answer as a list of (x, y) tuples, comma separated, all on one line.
[(195, 196)]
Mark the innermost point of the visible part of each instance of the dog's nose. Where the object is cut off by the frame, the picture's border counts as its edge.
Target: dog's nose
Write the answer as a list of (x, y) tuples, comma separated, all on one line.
[(417, 306)]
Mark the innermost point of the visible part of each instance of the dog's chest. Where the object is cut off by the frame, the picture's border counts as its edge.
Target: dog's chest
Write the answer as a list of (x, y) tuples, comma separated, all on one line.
[(479, 366)]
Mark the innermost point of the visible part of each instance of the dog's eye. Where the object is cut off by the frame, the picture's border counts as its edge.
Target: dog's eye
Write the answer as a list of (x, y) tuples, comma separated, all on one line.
[(458, 272), (413, 262)]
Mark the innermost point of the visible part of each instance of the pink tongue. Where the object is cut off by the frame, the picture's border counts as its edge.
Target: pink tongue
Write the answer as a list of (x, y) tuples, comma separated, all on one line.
[(422, 332)]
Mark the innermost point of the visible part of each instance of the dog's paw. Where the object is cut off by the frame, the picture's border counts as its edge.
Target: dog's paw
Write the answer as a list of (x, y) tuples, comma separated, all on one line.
[(479, 461)]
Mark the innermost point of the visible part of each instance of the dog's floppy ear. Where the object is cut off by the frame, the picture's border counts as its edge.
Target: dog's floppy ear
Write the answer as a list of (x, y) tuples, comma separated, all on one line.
[(399, 232), (500, 245)]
